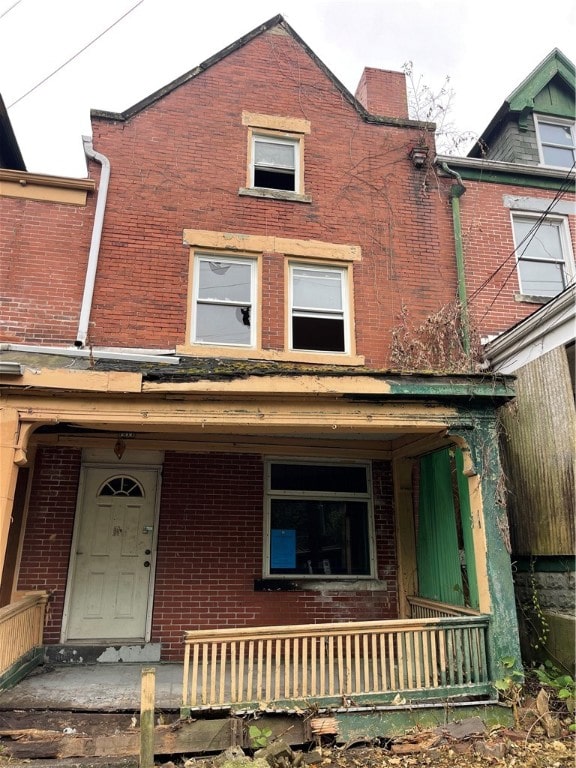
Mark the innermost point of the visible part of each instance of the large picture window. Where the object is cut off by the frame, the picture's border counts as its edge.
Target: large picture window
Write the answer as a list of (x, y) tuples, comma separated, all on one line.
[(318, 308), (224, 307), (543, 257), (319, 520)]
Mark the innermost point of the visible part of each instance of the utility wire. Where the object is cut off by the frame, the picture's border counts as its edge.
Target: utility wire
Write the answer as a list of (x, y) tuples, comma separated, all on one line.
[(76, 54), (9, 9)]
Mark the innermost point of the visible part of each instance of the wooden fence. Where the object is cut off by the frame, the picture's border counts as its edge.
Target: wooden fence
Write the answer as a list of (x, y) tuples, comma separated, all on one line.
[(422, 608), (444, 656), (21, 628)]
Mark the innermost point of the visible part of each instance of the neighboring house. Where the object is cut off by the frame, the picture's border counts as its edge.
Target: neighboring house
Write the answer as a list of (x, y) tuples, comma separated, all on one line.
[(514, 205), (202, 431), (10, 154)]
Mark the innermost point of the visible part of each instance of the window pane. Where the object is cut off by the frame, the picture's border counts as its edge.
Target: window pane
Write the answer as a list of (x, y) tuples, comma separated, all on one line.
[(557, 156), (224, 281), (222, 324), (543, 243), (275, 155), (318, 334), (313, 477), (541, 278), (275, 179), (330, 537), (318, 289), (556, 134)]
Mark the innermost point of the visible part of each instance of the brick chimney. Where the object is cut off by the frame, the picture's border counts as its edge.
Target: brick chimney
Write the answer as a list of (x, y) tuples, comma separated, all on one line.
[(383, 92)]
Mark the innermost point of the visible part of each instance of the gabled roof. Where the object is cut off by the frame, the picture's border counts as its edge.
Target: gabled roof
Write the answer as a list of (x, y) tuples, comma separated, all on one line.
[(10, 155), (275, 21), (522, 100)]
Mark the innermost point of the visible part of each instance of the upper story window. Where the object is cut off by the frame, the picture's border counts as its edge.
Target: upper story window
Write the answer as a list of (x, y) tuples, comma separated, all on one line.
[(224, 308), (557, 142), (275, 163), (545, 262), (318, 520), (275, 157), (319, 315)]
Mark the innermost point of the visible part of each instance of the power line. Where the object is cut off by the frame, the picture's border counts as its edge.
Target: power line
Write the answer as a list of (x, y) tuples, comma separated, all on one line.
[(76, 54), (9, 9)]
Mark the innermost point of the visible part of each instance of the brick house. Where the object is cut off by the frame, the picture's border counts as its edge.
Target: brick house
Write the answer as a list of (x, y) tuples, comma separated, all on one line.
[(515, 206), (210, 429)]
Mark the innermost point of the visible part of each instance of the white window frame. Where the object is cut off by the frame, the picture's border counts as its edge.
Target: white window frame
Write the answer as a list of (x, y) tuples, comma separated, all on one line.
[(267, 138), (368, 497), (345, 298), (565, 246), (200, 257), (540, 120)]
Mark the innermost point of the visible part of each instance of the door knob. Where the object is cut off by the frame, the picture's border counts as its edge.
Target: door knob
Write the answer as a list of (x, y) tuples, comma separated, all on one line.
[(146, 563)]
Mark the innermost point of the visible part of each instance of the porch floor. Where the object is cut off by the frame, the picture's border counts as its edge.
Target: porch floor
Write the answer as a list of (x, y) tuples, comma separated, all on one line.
[(102, 687)]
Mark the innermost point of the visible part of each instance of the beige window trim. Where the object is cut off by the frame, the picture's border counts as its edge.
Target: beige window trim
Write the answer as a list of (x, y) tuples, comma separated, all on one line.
[(312, 252)]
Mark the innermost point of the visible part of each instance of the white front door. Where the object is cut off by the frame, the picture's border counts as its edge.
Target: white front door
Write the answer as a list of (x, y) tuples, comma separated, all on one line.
[(109, 589)]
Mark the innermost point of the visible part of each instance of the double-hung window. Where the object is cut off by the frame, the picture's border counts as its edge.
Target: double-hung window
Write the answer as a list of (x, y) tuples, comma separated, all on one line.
[(319, 314), (557, 142), (275, 163), (543, 254), (224, 301), (318, 520)]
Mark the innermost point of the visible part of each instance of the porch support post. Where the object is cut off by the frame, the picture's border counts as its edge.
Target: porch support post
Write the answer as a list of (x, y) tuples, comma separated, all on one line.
[(491, 541), (405, 533), (9, 431)]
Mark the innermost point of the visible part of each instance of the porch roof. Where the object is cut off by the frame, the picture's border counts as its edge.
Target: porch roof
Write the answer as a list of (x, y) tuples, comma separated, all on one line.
[(194, 372)]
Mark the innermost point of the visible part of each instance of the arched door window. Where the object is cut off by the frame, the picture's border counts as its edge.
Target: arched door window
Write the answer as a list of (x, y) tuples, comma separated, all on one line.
[(121, 486)]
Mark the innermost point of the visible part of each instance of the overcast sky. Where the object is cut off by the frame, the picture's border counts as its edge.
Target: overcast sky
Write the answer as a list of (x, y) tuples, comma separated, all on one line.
[(486, 48)]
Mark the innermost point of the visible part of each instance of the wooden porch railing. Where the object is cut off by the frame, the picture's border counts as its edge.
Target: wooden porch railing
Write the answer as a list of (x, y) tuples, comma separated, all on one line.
[(273, 664), (21, 628), (422, 608)]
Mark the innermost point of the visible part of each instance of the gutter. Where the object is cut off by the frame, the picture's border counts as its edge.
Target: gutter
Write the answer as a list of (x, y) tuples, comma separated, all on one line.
[(135, 355), (94, 253), (456, 191)]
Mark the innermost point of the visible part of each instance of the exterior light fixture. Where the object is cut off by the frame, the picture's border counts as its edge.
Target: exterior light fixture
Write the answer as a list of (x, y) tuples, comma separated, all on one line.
[(418, 156)]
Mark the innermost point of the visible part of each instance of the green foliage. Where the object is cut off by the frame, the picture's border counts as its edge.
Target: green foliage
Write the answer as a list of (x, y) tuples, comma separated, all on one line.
[(259, 736), (561, 684), (509, 684)]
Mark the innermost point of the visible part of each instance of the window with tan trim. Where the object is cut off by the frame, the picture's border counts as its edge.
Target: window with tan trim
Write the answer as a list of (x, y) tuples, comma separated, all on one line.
[(228, 312), (224, 304), (319, 308), (275, 157)]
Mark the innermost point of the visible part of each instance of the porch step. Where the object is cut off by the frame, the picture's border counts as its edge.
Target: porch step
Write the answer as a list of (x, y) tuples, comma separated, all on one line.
[(91, 654)]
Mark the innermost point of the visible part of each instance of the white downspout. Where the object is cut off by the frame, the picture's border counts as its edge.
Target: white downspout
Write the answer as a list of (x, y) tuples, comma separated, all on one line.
[(86, 307)]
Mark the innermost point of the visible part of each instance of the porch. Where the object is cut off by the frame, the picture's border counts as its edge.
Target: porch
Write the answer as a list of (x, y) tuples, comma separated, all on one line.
[(438, 655)]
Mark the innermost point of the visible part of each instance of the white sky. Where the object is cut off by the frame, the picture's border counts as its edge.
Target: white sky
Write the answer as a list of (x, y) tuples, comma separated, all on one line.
[(487, 48)]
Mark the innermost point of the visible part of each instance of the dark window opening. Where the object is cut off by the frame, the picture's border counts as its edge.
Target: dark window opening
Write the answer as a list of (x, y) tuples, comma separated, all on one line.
[(273, 179), (324, 537), (318, 334)]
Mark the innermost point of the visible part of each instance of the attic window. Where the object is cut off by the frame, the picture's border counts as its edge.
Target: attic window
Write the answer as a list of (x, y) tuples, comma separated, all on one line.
[(275, 164), (557, 142)]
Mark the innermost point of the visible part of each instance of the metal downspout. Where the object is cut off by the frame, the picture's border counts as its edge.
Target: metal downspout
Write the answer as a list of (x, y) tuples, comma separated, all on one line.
[(86, 307), (456, 191)]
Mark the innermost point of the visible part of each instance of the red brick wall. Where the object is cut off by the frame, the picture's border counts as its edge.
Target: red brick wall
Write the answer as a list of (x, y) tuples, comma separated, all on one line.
[(490, 263), (49, 527), (210, 552), (209, 549), (180, 163), (43, 254)]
